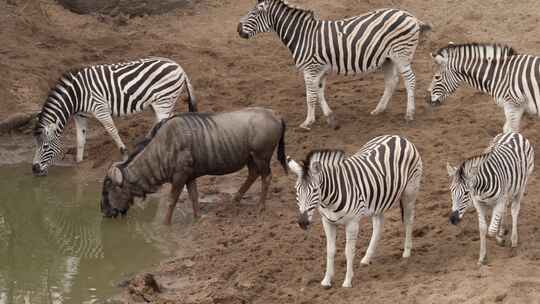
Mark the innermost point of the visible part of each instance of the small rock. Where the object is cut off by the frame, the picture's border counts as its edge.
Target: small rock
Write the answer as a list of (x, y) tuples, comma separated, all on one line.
[(189, 263), (500, 297)]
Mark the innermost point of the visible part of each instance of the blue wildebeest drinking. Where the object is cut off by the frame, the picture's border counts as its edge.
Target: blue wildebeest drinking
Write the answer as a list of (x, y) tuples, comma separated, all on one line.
[(385, 38), (494, 178), (104, 91), (385, 172), (190, 145)]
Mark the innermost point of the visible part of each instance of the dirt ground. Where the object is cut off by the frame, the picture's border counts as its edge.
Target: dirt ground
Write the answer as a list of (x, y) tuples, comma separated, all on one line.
[(250, 258)]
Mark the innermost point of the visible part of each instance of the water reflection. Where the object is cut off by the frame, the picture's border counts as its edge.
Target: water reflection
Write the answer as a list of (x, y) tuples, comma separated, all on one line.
[(55, 247)]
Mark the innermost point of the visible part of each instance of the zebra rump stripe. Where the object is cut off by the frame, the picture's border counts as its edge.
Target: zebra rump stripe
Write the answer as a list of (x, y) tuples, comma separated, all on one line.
[(512, 79), (349, 46)]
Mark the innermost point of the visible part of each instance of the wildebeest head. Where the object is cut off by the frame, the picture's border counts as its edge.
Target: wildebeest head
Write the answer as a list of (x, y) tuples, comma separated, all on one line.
[(308, 190), (116, 196), (461, 199), (257, 20), (48, 146)]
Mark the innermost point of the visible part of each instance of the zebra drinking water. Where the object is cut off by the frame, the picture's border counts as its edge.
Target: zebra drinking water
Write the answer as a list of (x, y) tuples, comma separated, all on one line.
[(512, 79), (386, 171), (104, 91), (384, 38), (495, 178)]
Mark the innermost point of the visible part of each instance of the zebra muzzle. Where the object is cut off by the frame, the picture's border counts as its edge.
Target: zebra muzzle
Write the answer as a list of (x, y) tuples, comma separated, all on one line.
[(454, 217), (241, 32), (303, 221)]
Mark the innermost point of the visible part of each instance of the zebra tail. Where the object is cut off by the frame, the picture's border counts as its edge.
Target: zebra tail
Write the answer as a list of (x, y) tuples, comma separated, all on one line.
[(192, 102), (281, 148)]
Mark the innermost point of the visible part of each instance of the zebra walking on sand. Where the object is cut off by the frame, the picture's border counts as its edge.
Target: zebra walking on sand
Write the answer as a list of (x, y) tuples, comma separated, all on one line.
[(104, 91), (384, 38), (384, 173), (495, 179), (512, 79)]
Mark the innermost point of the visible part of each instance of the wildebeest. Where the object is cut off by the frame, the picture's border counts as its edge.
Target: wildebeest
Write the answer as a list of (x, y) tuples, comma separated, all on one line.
[(189, 145)]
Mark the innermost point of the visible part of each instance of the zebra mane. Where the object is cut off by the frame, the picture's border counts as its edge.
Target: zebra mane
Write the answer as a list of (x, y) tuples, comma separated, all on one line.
[(325, 156), (461, 171), (311, 13), (503, 48)]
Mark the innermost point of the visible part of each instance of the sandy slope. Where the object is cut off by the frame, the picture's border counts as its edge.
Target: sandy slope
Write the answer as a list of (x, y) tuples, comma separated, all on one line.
[(267, 259)]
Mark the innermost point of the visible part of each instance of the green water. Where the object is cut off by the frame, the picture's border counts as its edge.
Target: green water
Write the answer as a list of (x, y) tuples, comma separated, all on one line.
[(55, 247)]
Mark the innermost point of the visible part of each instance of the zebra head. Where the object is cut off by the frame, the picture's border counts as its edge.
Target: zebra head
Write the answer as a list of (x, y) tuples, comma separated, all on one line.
[(257, 20), (48, 146), (308, 190), (461, 199), (445, 81), (116, 197)]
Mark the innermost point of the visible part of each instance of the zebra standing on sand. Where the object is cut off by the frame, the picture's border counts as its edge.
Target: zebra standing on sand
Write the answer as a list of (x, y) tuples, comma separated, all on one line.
[(384, 38), (512, 79), (385, 172), (495, 178), (105, 91)]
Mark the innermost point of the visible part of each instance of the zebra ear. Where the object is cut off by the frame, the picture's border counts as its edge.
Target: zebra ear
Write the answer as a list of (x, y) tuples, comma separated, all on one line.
[(451, 169), (440, 59), (116, 175), (294, 166), (315, 167)]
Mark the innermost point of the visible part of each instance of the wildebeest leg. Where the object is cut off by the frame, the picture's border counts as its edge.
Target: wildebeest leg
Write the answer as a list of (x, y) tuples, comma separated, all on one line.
[(253, 174), (194, 196), (265, 182), (175, 194)]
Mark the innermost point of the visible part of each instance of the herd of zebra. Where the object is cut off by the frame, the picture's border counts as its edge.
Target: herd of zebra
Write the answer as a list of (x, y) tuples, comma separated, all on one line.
[(384, 173)]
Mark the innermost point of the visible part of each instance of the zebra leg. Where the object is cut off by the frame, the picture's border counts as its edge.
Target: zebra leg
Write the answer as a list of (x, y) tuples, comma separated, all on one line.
[(193, 196), (330, 116), (408, 201), (516, 205), (105, 118), (378, 221), (513, 115), (80, 126), (163, 109), (351, 230), (410, 83), (330, 232), (496, 218), (482, 225), (391, 80), (311, 80)]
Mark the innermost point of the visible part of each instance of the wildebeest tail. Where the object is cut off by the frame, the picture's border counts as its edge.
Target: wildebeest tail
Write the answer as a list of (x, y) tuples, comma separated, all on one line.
[(281, 148), (192, 102)]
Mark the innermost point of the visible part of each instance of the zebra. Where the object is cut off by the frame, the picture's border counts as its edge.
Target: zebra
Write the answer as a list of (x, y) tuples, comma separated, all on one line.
[(494, 178), (104, 91), (386, 171), (512, 79), (384, 38)]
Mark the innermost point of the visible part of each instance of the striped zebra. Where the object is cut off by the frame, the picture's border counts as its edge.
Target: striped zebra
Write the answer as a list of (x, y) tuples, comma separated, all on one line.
[(513, 80), (494, 178), (385, 172), (385, 38), (104, 91)]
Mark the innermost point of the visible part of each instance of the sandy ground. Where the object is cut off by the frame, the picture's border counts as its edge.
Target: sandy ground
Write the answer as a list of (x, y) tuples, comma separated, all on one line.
[(250, 258)]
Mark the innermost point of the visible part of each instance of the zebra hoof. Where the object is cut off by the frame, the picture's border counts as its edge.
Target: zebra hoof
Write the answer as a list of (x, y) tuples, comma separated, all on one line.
[(376, 112), (304, 128), (500, 241), (482, 262), (332, 121), (409, 117)]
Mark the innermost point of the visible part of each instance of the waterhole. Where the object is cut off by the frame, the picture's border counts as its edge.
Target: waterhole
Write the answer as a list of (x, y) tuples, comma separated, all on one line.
[(55, 246)]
